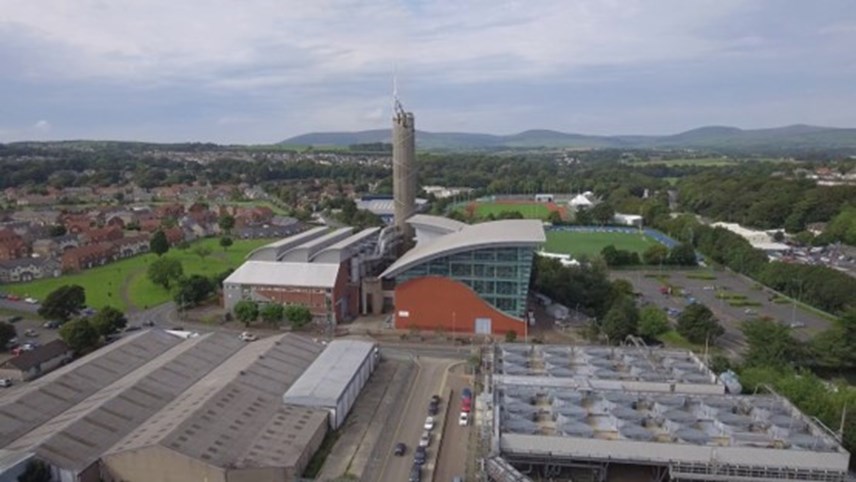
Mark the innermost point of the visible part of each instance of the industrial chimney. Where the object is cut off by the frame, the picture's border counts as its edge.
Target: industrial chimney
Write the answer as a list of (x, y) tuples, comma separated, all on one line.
[(403, 170)]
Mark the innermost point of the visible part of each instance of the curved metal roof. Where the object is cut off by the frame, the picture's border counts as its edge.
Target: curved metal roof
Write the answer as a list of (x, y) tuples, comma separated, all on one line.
[(494, 234), (437, 223)]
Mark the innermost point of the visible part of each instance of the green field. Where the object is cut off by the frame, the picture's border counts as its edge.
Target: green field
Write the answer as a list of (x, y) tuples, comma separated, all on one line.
[(590, 244), (528, 210), (124, 284)]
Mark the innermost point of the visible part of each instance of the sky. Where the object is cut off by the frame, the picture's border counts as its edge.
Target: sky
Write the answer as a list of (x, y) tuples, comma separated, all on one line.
[(260, 71)]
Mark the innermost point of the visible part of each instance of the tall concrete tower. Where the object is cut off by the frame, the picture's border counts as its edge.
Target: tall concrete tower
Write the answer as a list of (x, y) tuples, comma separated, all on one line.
[(403, 169)]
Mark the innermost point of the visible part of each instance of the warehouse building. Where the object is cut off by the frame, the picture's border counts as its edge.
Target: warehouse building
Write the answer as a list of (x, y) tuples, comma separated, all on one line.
[(634, 413), (231, 425), (154, 407), (275, 250), (480, 271), (335, 379)]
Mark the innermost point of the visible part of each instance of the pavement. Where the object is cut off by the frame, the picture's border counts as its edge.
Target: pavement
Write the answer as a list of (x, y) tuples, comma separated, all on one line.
[(453, 447), (30, 321)]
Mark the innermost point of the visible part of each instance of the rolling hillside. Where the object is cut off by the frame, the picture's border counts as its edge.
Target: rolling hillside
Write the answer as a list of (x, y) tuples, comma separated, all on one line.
[(721, 137)]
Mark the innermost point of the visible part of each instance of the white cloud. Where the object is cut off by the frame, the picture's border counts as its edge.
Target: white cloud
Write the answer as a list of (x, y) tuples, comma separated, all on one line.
[(259, 43), (42, 126)]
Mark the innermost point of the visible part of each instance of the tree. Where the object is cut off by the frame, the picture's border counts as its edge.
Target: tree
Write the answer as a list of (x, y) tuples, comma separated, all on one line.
[(79, 335), (108, 321), (202, 251), (159, 244), (698, 325), (7, 332), (510, 336), (603, 213), (272, 313), (298, 315), (583, 217), (246, 311), (778, 236), (770, 344), (225, 242), (656, 254), (193, 290), (683, 255), (163, 271), (835, 347), (57, 230), (621, 320), (63, 302), (555, 217), (36, 471), (226, 222), (652, 321)]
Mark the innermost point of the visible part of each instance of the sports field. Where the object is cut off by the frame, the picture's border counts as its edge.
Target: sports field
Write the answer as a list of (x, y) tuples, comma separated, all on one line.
[(529, 209), (578, 243), (125, 285)]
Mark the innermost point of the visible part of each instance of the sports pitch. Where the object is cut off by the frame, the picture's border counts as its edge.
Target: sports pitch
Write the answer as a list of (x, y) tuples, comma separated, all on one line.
[(529, 210), (578, 243)]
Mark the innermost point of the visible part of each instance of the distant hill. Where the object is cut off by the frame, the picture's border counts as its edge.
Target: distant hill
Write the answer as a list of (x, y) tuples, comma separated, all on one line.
[(711, 137)]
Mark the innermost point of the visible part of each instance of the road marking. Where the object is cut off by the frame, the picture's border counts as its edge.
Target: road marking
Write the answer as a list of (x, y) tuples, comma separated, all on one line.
[(403, 417)]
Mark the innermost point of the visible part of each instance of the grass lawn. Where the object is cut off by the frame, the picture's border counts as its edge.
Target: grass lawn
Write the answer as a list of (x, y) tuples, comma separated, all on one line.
[(590, 244), (124, 284), (528, 210)]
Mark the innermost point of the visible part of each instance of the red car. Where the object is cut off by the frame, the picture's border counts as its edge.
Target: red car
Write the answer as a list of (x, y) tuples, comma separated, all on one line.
[(14, 298), (466, 405)]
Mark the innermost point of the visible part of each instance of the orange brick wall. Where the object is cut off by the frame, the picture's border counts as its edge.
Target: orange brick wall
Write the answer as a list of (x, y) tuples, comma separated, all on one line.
[(433, 301)]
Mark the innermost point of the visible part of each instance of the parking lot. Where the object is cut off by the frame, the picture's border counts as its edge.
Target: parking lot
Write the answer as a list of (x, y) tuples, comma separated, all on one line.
[(758, 301), (28, 321)]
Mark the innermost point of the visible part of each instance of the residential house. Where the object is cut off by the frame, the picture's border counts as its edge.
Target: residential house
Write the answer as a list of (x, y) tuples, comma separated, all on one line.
[(174, 211), (28, 269), (132, 245), (174, 235), (67, 241), (150, 223), (35, 363), (12, 246), (43, 217), (102, 235), (45, 248), (89, 256)]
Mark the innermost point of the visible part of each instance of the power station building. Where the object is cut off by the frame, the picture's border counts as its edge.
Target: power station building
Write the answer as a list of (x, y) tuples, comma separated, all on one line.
[(465, 278)]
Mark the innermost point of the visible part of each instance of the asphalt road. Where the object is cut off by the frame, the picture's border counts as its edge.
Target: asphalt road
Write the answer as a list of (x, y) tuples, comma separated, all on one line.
[(705, 291), (453, 452), (18, 306), (430, 377)]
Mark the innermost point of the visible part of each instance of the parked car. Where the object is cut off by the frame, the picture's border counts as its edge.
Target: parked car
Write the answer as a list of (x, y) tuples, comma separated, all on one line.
[(5, 382), (464, 419), (31, 332), (435, 398), (425, 440), (13, 297), (420, 455), (415, 473), (31, 301), (457, 478), (15, 319), (400, 449), (466, 393), (247, 336), (52, 324), (148, 323), (433, 408)]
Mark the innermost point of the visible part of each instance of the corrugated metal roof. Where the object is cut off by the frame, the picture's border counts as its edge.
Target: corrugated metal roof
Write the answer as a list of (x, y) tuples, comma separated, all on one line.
[(304, 252), (276, 273), (327, 378), (271, 251), (337, 252), (504, 233), (234, 416)]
